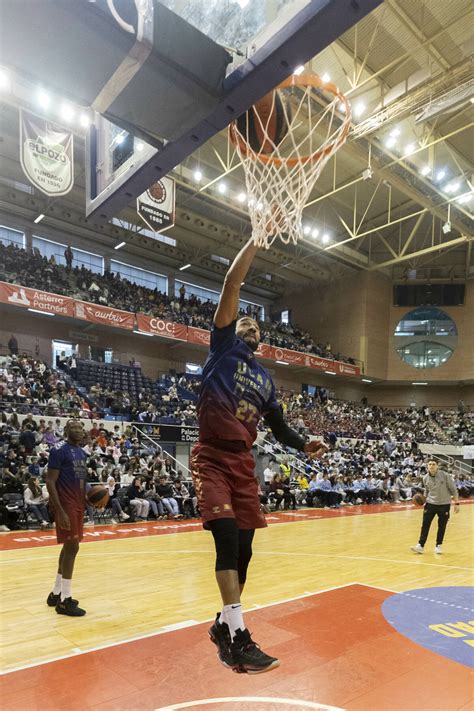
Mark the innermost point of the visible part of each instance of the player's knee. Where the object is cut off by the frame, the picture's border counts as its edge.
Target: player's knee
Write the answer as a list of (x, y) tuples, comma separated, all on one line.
[(71, 548), (245, 553), (226, 539)]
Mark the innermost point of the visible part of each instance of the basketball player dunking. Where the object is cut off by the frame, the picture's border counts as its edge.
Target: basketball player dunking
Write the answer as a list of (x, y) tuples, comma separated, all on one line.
[(66, 481), (236, 392)]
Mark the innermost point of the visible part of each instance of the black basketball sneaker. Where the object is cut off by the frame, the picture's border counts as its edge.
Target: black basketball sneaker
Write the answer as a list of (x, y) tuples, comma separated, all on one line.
[(220, 635), (67, 607), (247, 657), (52, 600)]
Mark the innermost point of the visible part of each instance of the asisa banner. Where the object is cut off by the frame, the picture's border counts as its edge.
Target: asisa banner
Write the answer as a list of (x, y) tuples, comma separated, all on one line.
[(46, 154)]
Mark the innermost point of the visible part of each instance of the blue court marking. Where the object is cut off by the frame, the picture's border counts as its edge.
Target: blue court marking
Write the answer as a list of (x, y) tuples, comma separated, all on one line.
[(440, 619)]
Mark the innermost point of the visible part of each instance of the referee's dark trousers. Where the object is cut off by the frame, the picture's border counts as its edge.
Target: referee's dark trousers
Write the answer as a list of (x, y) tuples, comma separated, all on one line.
[(432, 510)]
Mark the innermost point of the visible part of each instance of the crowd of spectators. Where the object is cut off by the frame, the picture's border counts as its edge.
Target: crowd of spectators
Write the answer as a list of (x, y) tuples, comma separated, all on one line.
[(33, 270), (142, 483)]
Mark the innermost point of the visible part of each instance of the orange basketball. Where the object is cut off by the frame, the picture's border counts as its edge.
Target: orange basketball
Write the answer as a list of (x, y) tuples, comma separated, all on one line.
[(418, 499), (264, 125), (98, 496)]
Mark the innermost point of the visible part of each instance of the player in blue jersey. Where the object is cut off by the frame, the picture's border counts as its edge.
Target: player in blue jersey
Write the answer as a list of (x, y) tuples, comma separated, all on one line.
[(236, 392), (66, 483)]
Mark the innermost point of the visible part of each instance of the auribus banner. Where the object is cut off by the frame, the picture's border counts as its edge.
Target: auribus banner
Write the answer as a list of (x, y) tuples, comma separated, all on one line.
[(105, 315), (46, 154)]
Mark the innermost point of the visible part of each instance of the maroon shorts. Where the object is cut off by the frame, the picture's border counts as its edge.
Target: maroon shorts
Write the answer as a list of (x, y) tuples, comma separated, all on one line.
[(73, 534), (226, 486)]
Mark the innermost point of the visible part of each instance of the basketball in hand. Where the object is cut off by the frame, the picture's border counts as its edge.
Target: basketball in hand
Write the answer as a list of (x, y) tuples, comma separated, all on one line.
[(98, 496), (418, 499)]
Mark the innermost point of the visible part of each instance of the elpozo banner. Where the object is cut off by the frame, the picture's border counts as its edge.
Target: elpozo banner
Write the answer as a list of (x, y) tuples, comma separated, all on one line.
[(156, 205), (46, 154)]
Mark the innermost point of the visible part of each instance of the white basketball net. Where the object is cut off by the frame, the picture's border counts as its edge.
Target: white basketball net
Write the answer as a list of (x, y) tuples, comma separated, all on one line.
[(279, 183)]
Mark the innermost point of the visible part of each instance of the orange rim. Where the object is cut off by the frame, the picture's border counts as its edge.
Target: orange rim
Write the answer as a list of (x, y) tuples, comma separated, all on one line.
[(302, 80)]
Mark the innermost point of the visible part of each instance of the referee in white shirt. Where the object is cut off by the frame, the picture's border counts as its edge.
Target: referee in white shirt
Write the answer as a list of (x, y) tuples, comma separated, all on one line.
[(439, 489)]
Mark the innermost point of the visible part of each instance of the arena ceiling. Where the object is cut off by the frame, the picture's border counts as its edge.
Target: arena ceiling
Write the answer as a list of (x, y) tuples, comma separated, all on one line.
[(397, 200)]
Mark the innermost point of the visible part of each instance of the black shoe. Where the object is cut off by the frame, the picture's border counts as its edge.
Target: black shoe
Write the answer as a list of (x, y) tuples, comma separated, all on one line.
[(220, 635), (247, 657), (52, 600), (67, 607)]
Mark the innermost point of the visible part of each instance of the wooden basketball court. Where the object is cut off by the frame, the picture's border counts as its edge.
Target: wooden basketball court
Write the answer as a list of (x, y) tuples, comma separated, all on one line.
[(324, 595)]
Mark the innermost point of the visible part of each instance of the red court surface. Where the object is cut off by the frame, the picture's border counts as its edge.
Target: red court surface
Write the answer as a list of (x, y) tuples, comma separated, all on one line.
[(335, 647), (32, 539)]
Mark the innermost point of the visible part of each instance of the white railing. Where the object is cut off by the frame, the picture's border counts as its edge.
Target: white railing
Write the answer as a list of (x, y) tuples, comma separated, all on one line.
[(157, 445)]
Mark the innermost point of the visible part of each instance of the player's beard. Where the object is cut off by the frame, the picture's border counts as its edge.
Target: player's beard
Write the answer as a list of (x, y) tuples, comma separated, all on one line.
[(251, 342)]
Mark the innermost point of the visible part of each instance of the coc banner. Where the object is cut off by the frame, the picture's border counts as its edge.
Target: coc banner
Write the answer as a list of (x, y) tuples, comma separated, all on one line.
[(168, 329), (104, 315), (34, 299), (46, 154)]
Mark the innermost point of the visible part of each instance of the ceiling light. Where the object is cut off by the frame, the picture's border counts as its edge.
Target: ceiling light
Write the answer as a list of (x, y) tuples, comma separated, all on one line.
[(241, 197), (419, 383), (43, 98), (85, 121), (390, 142), (38, 219), (197, 176), (242, 283), (43, 313), (119, 245), (326, 238), (119, 139), (454, 187), (440, 174), (409, 148), (394, 132), (446, 228), (140, 146), (329, 372), (242, 3), (425, 170), (4, 80), (306, 230), (315, 233), (282, 362), (366, 380), (359, 108), (67, 112), (299, 70), (342, 107), (186, 266), (222, 187), (465, 198), (326, 77)]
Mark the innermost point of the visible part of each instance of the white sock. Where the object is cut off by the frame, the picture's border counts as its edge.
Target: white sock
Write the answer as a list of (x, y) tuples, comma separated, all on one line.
[(65, 589), (232, 615), (57, 584)]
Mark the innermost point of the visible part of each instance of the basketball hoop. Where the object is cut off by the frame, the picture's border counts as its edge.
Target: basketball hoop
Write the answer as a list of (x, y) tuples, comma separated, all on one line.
[(284, 141)]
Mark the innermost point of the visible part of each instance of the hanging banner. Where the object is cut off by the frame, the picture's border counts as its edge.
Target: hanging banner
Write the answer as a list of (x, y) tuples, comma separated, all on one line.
[(156, 205), (105, 315), (34, 299), (46, 154), (168, 329)]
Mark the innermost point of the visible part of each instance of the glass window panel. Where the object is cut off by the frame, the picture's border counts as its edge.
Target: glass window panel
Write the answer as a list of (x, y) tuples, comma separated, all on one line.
[(425, 354), (204, 295), (426, 321), (9, 237), (142, 277)]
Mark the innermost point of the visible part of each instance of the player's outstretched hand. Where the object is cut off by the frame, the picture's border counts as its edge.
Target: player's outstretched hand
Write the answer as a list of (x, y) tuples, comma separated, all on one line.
[(315, 449)]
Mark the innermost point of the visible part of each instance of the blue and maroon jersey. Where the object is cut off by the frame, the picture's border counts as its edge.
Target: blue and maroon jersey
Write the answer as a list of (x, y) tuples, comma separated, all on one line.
[(70, 484), (236, 391)]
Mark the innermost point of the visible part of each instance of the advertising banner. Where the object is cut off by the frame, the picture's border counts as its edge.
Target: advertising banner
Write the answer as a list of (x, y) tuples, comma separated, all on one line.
[(104, 315), (171, 433), (36, 299), (168, 329), (46, 154), (199, 336)]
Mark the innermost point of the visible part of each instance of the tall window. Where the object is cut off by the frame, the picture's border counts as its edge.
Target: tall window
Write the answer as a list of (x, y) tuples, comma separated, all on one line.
[(81, 258), (204, 294), (142, 277), (9, 237)]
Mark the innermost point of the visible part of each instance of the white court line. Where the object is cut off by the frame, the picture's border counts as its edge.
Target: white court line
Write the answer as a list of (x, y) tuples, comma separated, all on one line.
[(163, 630), (251, 699)]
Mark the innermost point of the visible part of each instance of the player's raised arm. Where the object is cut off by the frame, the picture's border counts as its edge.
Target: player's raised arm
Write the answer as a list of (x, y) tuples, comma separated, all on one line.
[(228, 307)]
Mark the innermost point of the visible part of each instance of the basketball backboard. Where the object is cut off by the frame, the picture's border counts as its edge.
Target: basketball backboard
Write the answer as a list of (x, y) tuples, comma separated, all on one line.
[(267, 40)]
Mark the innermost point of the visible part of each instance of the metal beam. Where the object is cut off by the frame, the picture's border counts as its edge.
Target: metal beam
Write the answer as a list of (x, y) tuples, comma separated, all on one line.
[(419, 253), (411, 235)]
